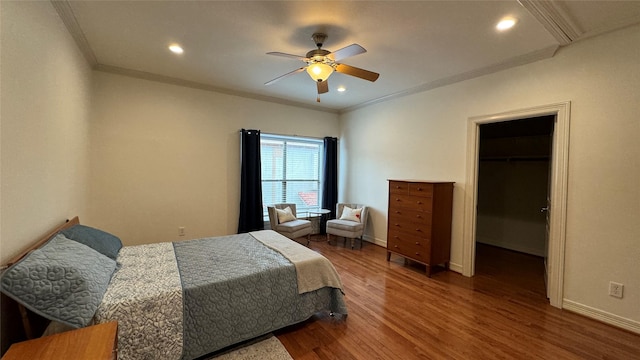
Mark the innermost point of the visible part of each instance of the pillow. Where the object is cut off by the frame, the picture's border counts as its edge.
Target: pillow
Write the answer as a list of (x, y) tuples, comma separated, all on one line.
[(98, 240), (63, 281), (351, 214), (285, 215)]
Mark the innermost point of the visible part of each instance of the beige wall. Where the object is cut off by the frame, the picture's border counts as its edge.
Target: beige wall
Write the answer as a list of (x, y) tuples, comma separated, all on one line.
[(44, 112), (165, 156), (162, 156), (423, 136)]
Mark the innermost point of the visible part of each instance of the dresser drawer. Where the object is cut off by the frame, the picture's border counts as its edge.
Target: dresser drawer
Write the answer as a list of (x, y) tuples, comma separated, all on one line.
[(411, 228), (421, 189), (416, 250), (414, 216), (398, 187), (409, 202), (398, 237)]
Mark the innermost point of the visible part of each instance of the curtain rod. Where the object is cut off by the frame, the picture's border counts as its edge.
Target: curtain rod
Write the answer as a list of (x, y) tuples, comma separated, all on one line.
[(294, 135)]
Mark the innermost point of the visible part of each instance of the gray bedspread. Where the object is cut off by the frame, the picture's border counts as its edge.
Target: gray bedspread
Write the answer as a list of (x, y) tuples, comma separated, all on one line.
[(234, 289), (191, 298)]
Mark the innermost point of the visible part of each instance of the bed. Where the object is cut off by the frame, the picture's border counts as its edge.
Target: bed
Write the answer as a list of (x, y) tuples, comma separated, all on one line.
[(180, 300)]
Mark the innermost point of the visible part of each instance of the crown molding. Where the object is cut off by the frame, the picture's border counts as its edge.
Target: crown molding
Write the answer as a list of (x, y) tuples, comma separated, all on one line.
[(534, 56), (618, 25), (553, 19), (69, 19), (201, 86)]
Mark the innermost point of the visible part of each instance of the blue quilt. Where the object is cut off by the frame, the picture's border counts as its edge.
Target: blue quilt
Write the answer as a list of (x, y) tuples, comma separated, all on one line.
[(187, 299), (235, 288)]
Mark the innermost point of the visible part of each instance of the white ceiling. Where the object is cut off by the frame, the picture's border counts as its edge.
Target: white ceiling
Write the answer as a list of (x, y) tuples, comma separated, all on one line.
[(414, 45)]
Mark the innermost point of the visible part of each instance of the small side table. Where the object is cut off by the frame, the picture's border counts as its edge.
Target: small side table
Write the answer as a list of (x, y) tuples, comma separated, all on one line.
[(97, 342), (323, 218)]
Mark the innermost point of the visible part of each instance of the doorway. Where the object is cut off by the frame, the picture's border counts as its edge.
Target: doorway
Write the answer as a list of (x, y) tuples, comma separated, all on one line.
[(513, 185), (557, 192)]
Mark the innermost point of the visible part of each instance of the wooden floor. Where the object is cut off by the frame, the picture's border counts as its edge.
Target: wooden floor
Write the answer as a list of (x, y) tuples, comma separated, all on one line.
[(396, 312)]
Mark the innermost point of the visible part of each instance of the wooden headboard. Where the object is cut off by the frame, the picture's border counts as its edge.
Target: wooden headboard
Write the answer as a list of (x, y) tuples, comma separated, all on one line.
[(10, 330), (67, 224)]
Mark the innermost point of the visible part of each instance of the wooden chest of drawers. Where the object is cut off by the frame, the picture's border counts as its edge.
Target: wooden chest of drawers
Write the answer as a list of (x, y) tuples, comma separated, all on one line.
[(419, 221)]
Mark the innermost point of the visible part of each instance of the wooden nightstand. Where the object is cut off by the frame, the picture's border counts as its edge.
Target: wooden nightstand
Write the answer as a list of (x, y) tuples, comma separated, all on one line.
[(96, 342)]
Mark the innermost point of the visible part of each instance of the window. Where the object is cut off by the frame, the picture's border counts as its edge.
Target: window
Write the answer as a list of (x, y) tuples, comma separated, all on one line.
[(291, 171)]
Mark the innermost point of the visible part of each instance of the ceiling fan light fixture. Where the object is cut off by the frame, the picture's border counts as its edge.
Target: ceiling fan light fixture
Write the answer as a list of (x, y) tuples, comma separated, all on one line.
[(319, 71)]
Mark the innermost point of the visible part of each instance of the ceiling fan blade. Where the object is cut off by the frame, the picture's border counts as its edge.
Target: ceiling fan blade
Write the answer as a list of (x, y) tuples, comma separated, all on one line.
[(345, 52), (357, 72), (290, 56), (285, 75), (323, 87)]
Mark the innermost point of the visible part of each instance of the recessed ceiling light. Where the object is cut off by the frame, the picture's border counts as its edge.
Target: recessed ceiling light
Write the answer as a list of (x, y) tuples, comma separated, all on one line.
[(506, 23), (175, 48), (341, 89)]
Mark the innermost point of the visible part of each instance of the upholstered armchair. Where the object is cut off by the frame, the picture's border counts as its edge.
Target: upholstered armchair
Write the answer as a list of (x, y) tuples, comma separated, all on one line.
[(350, 222), (286, 222)]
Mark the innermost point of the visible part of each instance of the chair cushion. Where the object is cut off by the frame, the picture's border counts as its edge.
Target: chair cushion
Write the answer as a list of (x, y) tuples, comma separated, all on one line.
[(293, 226), (346, 225), (351, 214)]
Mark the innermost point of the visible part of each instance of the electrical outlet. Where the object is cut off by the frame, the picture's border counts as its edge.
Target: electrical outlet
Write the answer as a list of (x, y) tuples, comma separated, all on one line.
[(181, 231), (615, 289)]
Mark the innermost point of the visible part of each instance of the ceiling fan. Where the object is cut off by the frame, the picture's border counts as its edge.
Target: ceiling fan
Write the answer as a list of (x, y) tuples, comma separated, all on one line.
[(322, 63)]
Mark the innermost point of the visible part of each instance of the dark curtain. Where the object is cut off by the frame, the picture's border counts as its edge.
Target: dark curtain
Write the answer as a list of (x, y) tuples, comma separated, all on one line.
[(330, 180), (250, 182)]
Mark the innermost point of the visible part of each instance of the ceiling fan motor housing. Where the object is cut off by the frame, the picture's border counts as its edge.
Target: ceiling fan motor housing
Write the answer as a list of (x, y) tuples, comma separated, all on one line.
[(317, 54), (319, 39)]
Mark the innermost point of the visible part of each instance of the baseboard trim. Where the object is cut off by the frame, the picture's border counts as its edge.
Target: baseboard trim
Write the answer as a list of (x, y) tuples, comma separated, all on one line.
[(455, 267), (376, 241), (452, 266), (603, 316)]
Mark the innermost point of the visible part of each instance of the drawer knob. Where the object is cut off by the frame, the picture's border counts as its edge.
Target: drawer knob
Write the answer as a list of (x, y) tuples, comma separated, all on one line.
[(418, 230), (417, 243), (418, 216), (397, 212), (418, 254), (419, 189), (395, 246), (419, 202), (397, 224), (395, 237), (397, 199), (397, 187)]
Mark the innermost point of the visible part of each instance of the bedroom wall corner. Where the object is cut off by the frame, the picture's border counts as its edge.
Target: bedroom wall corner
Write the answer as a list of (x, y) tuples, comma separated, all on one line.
[(45, 95), (45, 102)]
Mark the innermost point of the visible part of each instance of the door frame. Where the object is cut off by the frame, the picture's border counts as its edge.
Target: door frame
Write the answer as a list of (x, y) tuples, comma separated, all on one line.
[(559, 183)]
